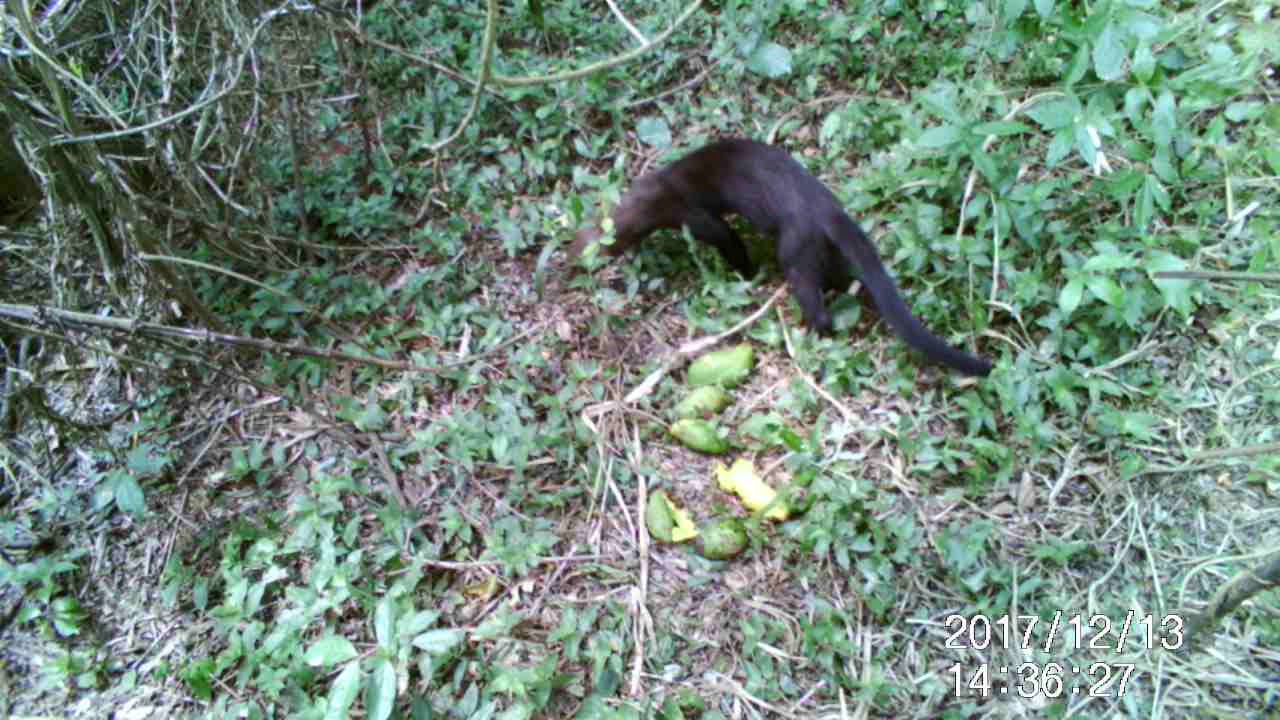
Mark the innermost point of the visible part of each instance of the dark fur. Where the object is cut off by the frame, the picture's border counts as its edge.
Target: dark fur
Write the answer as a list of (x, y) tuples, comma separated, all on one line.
[(819, 246)]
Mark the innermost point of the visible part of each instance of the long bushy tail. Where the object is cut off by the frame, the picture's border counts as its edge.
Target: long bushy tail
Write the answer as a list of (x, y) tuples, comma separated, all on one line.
[(857, 249)]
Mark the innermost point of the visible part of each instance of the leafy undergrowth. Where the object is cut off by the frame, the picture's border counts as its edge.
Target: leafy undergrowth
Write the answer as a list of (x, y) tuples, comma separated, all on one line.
[(468, 542)]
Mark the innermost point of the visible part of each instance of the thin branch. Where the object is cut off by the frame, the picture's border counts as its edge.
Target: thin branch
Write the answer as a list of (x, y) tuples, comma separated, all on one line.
[(627, 23), (486, 66), (1217, 275), (39, 314), (626, 57)]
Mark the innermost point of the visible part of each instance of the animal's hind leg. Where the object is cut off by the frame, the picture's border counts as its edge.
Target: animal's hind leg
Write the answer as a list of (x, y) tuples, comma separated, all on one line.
[(806, 285)]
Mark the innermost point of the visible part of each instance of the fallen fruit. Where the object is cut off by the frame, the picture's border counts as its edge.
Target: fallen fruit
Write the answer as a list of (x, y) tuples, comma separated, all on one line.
[(703, 401), (699, 435), (725, 368), (666, 521), (722, 539), (742, 480)]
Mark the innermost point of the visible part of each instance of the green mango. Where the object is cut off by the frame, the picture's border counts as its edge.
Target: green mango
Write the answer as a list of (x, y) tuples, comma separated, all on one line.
[(699, 435), (722, 539), (703, 401), (725, 368)]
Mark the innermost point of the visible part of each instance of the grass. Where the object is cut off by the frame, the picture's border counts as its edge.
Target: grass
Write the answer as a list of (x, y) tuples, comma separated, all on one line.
[(341, 540)]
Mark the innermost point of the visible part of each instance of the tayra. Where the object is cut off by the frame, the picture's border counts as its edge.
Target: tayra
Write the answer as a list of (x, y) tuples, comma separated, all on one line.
[(819, 246)]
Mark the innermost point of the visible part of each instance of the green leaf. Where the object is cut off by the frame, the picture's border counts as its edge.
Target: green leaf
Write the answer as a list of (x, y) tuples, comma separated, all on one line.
[(770, 60), (1001, 128), (1109, 261), (1070, 296), (1141, 426), (1085, 143), (1164, 118), (941, 136), (329, 651), (1144, 63), (371, 417), (1244, 111), (417, 622), (343, 692), (1044, 8), (384, 622), (67, 615), (1105, 289), (498, 624), (1013, 9), (438, 642), (145, 461), (654, 132), (1079, 65), (199, 677), (129, 496), (380, 692), (1109, 54), (1055, 114), (831, 127), (1176, 293)]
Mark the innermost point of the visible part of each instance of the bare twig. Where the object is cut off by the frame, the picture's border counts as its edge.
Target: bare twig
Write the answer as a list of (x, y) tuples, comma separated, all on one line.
[(626, 57), (617, 12), (37, 315), (1217, 275)]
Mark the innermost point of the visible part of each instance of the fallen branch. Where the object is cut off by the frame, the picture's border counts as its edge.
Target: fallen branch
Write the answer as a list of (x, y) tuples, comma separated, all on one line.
[(40, 315)]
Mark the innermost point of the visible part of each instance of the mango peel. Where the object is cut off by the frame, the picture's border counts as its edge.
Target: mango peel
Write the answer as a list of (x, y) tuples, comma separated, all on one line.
[(668, 522), (742, 480)]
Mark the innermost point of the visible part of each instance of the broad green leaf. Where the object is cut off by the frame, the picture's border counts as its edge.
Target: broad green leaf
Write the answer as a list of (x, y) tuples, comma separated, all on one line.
[(1001, 128), (438, 642), (1070, 296), (1013, 9), (1144, 209), (1144, 63), (1142, 426), (1055, 114), (384, 622), (1244, 111), (380, 691), (1157, 192), (941, 136), (1164, 118), (1176, 293), (1135, 101), (830, 127), (417, 622), (1079, 65), (1085, 143), (129, 495), (328, 651), (144, 460), (1105, 289), (770, 60), (1109, 54), (343, 692), (498, 624), (371, 417), (1109, 262), (654, 132), (1059, 147)]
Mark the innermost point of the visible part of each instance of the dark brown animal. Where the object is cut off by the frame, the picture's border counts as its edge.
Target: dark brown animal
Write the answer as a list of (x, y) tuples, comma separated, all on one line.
[(819, 246)]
